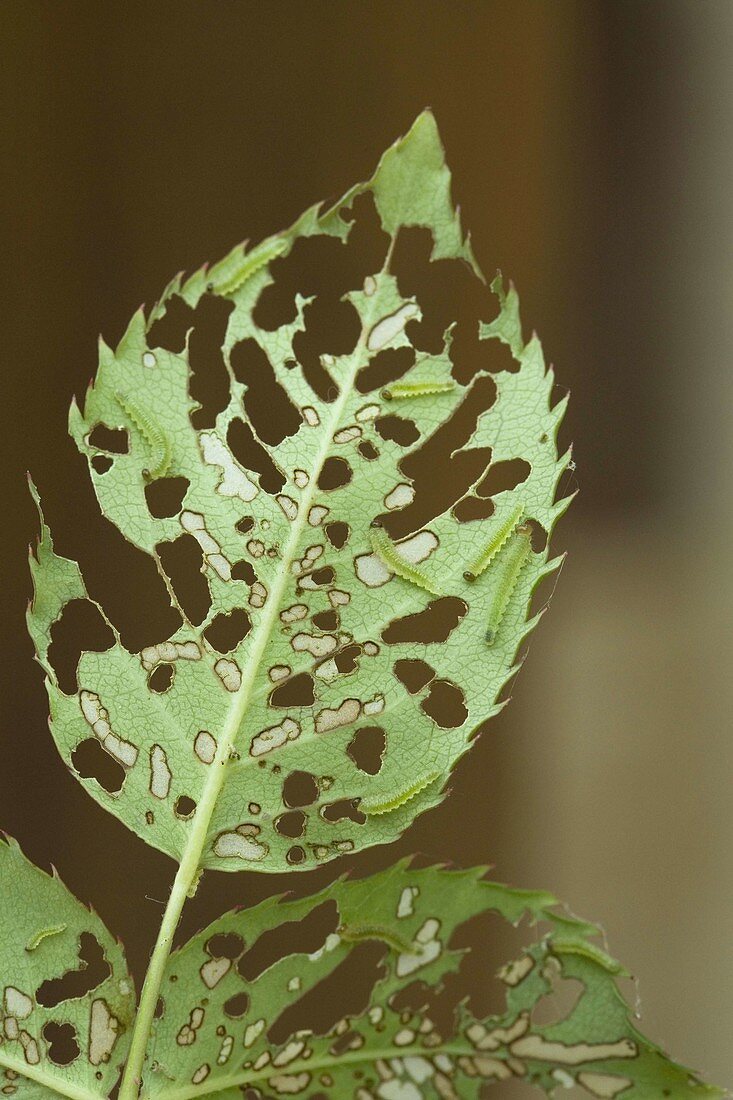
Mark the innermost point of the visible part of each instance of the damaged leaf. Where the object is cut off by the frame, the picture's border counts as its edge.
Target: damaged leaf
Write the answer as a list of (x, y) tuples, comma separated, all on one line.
[(213, 1036), (66, 998), (298, 555), (349, 634)]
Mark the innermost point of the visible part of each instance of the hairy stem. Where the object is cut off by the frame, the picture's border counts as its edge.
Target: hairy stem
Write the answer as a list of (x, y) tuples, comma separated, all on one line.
[(191, 859)]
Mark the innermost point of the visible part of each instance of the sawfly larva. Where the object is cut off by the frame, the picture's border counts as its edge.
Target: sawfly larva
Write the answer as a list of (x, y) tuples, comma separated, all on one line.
[(153, 435), (44, 934), (355, 933), (385, 549), (399, 799), (508, 567), (417, 389), (252, 262), (497, 540)]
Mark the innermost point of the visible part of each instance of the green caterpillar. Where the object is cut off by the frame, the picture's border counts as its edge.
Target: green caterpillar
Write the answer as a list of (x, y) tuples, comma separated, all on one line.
[(417, 389), (502, 533), (510, 565), (400, 798), (153, 435), (251, 263), (43, 934), (355, 933), (385, 549)]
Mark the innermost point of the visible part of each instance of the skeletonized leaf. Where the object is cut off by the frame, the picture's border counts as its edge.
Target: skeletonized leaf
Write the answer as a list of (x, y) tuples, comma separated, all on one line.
[(347, 638), (66, 998), (241, 1000)]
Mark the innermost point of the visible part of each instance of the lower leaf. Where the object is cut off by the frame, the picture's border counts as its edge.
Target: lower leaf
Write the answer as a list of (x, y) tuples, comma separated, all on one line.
[(272, 1002), (66, 997)]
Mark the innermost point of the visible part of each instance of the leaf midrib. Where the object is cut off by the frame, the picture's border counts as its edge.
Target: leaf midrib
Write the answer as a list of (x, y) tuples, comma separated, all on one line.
[(41, 1075), (247, 692)]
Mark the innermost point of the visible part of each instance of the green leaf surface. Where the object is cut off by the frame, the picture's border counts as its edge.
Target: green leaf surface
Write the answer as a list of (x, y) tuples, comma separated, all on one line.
[(339, 619), (66, 998), (211, 1039)]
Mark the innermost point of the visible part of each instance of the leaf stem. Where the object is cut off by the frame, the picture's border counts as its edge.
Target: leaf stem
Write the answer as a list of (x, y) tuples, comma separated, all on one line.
[(185, 876)]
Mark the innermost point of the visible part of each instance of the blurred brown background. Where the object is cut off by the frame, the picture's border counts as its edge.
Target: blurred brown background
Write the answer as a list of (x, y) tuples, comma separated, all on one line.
[(592, 152)]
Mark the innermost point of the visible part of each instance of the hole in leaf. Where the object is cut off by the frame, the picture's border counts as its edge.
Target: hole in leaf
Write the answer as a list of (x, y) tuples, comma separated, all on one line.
[(538, 535), (63, 1048), (209, 381), (443, 451), (161, 678), (470, 354), (271, 412), (557, 1005), (386, 366), (325, 620), (91, 761), (226, 631), (115, 440), (367, 450), (244, 571), (471, 508), (236, 1006), (502, 476), (337, 534), (300, 789), (345, 809), (345, 992), (398, 429), (316, 375), (169, 331), (101, 463), (435, 624), (245, 524), (413, 673), (434, 495), (290, 938), (291, 824), (92, 971), (412, 998), (492, 942), (81, 628), (183, 562), (366, 749), (185, 807), (346, 659), (250, 453), (334, 473), (323, 265), (295, 855), (296, 692), (105, 558), (159, 1009), (445, 704), (446, 290), (331, 328), (164, 496), (324, 575), (225, 945)]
